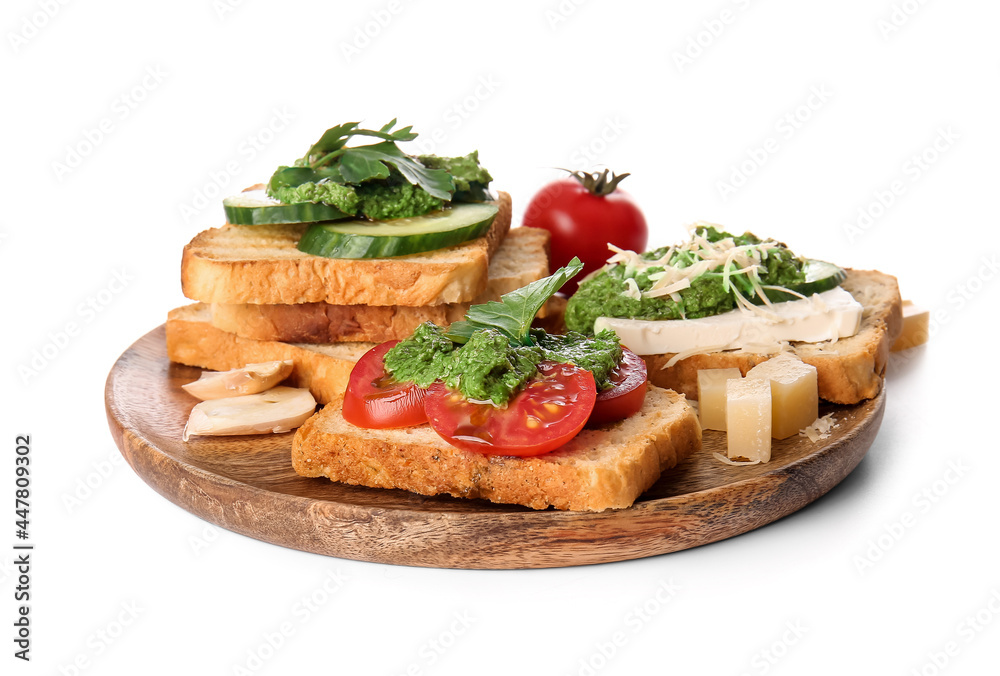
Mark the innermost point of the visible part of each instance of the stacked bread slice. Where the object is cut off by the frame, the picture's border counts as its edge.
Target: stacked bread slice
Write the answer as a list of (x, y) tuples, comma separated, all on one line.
[(260, 298)]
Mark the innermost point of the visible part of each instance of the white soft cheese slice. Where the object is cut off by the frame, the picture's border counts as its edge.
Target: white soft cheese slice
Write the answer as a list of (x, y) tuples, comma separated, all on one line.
[(824, 316)]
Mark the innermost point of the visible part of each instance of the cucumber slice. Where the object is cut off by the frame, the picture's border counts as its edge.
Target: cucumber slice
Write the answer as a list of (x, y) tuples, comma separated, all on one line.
[(358, 238), (254, 207), (820, 276)]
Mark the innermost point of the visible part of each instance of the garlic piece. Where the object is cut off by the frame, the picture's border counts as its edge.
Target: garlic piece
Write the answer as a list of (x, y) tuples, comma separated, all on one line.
[(250, 379), (280, 409)]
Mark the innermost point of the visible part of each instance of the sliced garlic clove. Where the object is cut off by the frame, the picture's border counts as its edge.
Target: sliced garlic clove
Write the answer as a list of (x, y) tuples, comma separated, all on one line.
[(250, 379), (279, 409)]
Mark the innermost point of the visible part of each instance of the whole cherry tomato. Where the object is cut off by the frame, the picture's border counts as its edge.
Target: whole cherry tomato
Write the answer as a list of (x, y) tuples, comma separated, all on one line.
[(584, 213)]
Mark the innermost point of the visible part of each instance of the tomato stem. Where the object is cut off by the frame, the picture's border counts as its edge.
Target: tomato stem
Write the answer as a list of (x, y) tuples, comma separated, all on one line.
[(598, 183)]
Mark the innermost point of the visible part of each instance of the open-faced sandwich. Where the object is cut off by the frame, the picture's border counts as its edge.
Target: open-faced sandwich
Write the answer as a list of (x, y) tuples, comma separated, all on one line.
[(491, 408), (395, 287), (724, 301)]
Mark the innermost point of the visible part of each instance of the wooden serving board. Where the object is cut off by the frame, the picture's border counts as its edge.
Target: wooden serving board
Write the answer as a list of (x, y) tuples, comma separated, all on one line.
[(246, 484)]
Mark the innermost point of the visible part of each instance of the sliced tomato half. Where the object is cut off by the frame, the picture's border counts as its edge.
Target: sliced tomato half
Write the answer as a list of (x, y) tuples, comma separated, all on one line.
[(627, 393), (543, 416), (375, 401)]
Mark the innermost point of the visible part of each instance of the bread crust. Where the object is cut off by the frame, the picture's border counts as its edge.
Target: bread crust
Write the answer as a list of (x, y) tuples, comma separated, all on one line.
[(521, 258), (260, 264), (848, 371), (605, 468)]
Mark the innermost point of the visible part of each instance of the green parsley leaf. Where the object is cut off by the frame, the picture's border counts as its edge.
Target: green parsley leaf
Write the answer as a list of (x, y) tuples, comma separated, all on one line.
[(331, 159), (335, 138), (365, 158), (513, 314)]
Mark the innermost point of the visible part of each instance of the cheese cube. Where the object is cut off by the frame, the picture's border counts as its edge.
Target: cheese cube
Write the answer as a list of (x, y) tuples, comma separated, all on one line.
[(712, 397), (794, 393), (916, 327), (748, 419)]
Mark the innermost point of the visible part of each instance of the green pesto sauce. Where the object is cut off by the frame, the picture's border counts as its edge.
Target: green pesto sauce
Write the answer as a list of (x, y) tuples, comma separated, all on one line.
[(466, 172), (378, 199), (393, 197), (344, 197), (489, 368), (604, 294)]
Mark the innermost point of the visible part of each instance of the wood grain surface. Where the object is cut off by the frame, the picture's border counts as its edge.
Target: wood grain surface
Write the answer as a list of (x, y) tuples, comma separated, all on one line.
[(246, 484)]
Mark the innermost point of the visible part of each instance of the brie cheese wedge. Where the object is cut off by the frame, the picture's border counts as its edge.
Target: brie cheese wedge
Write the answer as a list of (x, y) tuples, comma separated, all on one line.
[(822, 317)]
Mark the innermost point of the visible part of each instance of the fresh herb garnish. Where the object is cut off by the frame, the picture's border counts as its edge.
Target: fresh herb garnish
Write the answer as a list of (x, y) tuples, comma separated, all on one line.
[(330, 159), (513, 314)]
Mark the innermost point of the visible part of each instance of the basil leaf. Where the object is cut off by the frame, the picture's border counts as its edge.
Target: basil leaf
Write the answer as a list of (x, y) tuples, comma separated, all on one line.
[(513, 314)]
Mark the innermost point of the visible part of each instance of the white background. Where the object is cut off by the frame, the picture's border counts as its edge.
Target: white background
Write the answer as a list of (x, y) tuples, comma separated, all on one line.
[(183, 91)]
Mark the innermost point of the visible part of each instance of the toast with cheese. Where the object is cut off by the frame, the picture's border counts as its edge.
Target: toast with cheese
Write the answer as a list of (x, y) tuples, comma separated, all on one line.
[(261, 264), (603, 468), (520, 259), (849, 370)]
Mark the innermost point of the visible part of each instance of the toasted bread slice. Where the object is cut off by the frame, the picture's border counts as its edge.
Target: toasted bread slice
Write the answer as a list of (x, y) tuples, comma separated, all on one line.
[(324, 369), (604, 468), (520, 259), (260, 264), (849, 370)]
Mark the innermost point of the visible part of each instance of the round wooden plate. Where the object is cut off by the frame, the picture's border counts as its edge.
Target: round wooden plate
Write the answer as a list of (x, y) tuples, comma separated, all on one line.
[(246, 484)]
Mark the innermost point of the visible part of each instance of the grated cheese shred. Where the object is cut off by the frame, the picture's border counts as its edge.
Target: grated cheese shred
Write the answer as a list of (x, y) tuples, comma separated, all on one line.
[(821, 428), (705, 257)]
